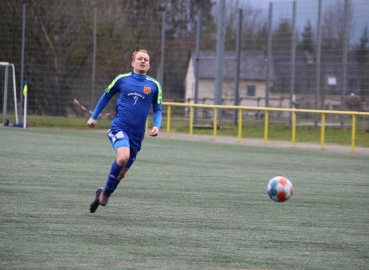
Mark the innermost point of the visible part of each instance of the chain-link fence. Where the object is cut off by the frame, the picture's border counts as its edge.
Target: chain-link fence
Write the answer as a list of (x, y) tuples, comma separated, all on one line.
[(304, 54), (320, 54), (75, 52)]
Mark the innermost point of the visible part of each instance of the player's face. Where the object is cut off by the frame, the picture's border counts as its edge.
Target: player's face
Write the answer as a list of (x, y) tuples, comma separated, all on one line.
[(142, 63)]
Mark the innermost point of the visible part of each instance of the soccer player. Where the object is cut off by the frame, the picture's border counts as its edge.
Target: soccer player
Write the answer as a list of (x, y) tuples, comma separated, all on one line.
[(137, 94)]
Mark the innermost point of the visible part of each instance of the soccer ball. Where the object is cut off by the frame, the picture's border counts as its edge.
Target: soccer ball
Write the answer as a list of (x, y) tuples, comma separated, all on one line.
[(279, 189)]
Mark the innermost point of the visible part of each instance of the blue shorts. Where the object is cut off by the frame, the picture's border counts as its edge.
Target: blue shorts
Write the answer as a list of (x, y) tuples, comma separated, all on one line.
[(121, 139)]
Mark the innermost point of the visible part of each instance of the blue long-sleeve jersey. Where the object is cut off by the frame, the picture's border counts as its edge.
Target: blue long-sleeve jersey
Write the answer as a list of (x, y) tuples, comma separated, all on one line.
[(137, 93)]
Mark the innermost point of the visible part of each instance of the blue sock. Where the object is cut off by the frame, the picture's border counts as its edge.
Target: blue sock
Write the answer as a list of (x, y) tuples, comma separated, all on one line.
[(112, 182), (116, 185)]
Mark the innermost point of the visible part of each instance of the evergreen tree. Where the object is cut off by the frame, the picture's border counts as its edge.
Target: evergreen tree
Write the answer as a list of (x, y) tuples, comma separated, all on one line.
[(333, 26), (282, 36), (181, 16), (361, 51), (307, 42), (252, 24), (261, 37)]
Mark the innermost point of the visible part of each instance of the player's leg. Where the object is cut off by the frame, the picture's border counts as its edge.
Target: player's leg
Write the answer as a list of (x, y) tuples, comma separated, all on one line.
[(123, 173), (121, 145), (95, 203), (124, 156), (126, 150)]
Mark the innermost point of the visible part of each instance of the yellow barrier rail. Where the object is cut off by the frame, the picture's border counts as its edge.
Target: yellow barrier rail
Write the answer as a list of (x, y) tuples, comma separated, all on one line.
[(266, 119)]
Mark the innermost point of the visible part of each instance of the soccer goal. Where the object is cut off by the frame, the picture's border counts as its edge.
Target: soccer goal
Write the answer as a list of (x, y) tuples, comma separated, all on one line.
[(8, 105)]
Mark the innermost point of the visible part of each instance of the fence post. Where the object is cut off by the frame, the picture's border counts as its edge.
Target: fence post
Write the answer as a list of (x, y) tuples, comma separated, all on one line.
[(322, 132), (266, 119), (293, 56), (218, 94), (239, 124), (215, 122), (269, 54), (294, 129), (344, 83), (238, 60), (168, 120), (93, 60), (191, 120), (22, 62), (353, 131), (197, 59), (161, 79), (319, 49)]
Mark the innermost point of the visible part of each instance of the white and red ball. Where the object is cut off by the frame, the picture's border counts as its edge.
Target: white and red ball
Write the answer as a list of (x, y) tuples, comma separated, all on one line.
[(280, 189)]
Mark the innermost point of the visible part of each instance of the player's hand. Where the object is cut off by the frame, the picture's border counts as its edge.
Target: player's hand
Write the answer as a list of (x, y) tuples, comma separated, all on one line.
[(154, 132), (91, 122)]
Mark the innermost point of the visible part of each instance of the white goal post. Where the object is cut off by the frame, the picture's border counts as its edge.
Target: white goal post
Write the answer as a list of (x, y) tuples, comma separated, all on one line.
[(6, 75)]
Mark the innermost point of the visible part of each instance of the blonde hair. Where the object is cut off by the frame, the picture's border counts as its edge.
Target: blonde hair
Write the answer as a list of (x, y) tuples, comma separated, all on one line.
[(136, 52)]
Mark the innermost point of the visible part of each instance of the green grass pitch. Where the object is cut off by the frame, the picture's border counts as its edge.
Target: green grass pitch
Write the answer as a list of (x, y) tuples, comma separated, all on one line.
[(183, 205)]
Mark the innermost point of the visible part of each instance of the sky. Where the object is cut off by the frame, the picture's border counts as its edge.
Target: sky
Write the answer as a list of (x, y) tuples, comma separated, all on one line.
[(263, 4), (308, 10)]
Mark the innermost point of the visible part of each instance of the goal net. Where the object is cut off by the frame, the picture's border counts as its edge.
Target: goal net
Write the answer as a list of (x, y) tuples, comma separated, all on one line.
[(8, 95)]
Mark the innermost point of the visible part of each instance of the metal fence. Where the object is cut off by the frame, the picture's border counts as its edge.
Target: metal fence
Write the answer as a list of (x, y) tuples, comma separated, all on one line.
[(326, 64), (311, 55), (266, 110)]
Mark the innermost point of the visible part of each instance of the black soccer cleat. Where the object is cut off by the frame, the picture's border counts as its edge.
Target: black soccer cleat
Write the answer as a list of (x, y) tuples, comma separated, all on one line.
[(95, 204), (104, 197)]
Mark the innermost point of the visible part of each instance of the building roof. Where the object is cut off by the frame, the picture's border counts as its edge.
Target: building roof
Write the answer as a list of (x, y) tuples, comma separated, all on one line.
[(253, 65), (331, 73)]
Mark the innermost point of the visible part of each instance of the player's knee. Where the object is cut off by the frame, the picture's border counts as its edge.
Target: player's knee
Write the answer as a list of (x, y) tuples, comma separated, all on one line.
[(122, 155), (122, 160)]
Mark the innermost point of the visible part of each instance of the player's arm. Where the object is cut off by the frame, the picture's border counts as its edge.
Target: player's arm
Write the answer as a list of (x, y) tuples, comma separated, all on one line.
[(104, 100), (157, 118), (110, 91), (157, 108)]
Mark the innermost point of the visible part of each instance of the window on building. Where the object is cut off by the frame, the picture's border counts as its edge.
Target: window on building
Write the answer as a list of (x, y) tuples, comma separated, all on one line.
[(250, 91), (332, 81)]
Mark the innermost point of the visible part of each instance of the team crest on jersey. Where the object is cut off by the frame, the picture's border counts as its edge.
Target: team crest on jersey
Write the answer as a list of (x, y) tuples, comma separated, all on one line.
[(147, 90)]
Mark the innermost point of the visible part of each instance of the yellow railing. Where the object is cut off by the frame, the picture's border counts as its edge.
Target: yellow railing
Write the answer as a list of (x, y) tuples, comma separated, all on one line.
[(266, 119)]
